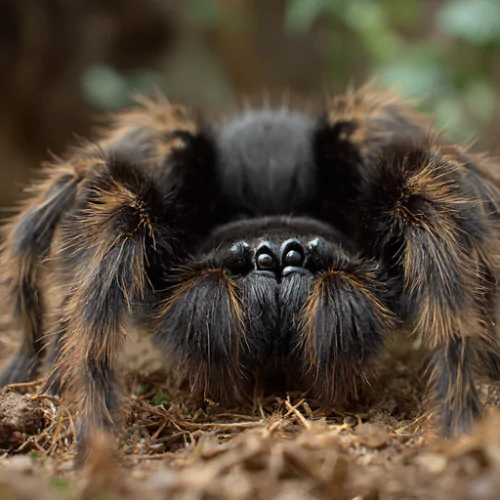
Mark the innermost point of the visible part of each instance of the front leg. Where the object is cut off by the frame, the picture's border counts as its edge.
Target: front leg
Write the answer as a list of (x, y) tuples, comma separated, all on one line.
[(107, 242), (427, 228), (345, 321)]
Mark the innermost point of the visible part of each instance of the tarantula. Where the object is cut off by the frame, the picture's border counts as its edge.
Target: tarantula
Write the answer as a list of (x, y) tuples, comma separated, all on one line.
[(275, 242)]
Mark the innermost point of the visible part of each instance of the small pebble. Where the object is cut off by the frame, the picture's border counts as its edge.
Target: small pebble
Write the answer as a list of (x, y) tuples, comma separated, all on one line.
[(372, 435)]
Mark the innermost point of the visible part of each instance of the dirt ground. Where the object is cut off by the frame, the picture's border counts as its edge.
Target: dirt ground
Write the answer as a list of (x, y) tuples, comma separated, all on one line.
[(282, 447)]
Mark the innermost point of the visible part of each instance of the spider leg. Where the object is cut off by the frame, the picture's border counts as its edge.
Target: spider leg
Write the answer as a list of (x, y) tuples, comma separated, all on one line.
[(120, 220), (55, 384), (345, 320), (430, 214), (427, 228), (28, 241), (201, 331), (487, 345), (114, 218), (477, 174), (357, 128), (162, 141)]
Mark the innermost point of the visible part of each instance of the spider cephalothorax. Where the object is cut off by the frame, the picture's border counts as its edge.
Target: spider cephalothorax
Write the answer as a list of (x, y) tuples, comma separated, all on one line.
[(273, 242)]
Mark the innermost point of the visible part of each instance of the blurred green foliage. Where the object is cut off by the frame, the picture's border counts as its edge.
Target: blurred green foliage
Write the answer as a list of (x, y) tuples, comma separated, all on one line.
[(441, 51), (161, 399)]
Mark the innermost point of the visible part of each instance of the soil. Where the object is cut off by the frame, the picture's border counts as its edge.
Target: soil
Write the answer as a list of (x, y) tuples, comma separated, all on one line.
[(283, 446)]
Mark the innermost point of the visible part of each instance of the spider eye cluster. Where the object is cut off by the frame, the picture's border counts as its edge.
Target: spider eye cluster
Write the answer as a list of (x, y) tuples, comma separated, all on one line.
[(275, 259)]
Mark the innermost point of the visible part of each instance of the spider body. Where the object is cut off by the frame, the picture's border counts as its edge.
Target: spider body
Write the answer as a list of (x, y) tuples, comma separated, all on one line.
[(274, 242)]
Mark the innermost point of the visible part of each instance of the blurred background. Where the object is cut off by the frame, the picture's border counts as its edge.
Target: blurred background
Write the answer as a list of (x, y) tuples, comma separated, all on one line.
[(63, 63)]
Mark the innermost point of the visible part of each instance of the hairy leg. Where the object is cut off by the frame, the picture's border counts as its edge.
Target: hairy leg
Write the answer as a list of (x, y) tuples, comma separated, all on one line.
[(119, 224), (423, 223), (162, 141), (27, 242), (345, 321), (480, 179), (202, 332), (358, 127), (430, 211)]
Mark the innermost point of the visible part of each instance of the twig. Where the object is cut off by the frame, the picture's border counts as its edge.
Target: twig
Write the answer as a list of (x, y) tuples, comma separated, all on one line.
[(294, 409), (19, 385), (159, 430)]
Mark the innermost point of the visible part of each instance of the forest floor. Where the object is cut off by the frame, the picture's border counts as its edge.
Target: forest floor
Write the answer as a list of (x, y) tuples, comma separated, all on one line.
[(281, 447)]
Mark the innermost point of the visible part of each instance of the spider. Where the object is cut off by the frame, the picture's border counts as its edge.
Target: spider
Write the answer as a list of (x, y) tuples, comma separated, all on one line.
[(274, 242)]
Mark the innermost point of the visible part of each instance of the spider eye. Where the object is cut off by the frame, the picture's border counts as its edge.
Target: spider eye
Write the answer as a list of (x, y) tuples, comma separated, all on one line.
[(265, 261), (293, 258)]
